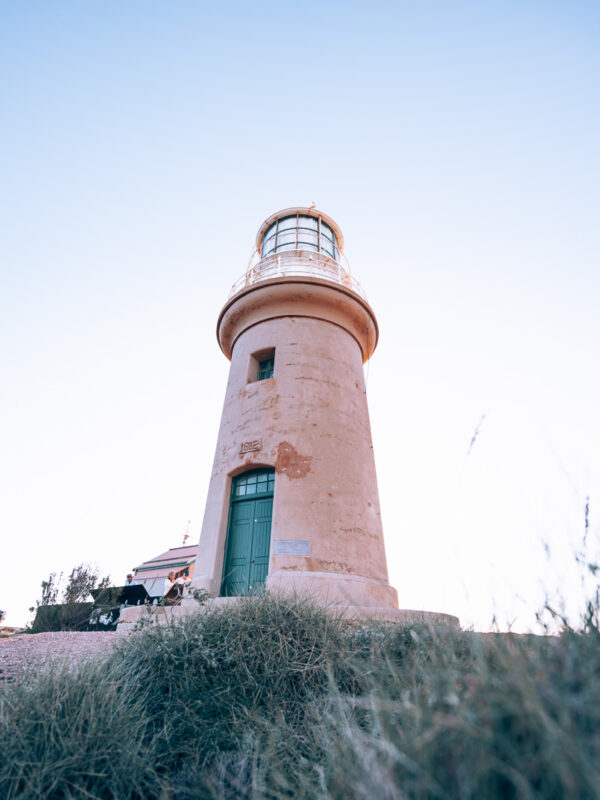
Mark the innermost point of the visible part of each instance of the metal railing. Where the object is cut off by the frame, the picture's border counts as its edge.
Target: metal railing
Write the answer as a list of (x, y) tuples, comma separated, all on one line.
[(292, 263)]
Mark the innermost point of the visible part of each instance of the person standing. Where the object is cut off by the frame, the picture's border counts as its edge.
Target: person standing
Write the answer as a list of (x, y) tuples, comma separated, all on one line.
[(169, 583)]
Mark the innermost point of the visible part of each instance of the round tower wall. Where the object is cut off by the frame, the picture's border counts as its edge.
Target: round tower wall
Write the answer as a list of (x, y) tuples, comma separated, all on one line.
[(310, 422)]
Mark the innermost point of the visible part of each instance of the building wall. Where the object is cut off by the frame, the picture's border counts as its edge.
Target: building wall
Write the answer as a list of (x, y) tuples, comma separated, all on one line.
[(310, 422)]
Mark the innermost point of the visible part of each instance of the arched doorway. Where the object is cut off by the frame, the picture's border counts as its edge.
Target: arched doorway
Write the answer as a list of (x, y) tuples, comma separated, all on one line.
[(248, 542)]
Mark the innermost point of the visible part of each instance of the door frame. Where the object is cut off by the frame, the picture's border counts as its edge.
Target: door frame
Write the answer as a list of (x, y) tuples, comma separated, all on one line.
[(240, 499)]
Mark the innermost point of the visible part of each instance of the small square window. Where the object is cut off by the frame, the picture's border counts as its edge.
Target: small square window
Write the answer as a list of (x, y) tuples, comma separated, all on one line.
[(265, 369), (262, 365)]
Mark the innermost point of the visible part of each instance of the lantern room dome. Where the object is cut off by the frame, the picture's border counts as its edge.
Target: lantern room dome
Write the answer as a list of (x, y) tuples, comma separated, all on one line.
[(300, 242), (299, 228)]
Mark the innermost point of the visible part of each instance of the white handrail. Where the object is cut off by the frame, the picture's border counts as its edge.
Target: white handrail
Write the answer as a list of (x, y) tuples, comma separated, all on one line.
[(301, 263)]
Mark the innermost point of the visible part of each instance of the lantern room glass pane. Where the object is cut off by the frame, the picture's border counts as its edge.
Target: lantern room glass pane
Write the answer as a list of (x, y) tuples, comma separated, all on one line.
[(308, 237), (288, 237), (287, 223), (308, 222), (312, 237), (327, 232), (268, 246), (269, 241)]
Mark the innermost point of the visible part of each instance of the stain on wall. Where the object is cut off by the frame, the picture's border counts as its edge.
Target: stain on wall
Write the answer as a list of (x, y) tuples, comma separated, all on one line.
[(289, 461)]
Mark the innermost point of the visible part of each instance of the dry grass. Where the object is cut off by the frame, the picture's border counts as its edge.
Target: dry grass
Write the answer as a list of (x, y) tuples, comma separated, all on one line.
[(274, 699)]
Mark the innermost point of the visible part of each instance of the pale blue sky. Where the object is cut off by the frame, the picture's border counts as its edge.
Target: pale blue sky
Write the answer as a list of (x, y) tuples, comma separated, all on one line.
[(456, 144)]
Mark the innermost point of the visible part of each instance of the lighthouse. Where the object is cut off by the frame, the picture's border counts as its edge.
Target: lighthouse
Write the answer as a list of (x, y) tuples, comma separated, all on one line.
[(292, 503)]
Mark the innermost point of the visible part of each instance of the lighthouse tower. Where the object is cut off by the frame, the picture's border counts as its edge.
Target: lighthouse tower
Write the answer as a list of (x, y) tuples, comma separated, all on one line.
[(292, 502)]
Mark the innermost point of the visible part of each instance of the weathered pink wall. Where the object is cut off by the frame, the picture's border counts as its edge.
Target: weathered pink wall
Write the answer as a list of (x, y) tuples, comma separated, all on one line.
[(312, 423)]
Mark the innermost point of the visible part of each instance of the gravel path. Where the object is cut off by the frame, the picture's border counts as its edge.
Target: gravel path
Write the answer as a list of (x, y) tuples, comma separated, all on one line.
[(39, 649)]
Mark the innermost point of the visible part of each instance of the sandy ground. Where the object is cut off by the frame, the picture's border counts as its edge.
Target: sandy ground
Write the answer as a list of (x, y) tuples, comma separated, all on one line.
[(39, 649)]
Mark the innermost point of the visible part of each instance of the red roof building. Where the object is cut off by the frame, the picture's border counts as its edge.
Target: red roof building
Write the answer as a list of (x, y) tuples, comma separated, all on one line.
[(153, 573)]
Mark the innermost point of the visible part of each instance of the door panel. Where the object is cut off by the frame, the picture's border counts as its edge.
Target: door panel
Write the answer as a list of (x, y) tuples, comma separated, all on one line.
[(236, 577), (261, 542)]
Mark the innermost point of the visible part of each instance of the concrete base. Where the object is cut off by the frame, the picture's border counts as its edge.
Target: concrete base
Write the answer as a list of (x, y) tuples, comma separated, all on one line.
[(164, 615), (404, 616), (335, 589)]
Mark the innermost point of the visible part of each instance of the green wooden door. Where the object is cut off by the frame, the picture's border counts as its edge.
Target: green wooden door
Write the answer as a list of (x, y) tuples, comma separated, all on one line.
[(249, 533), (237, 568)]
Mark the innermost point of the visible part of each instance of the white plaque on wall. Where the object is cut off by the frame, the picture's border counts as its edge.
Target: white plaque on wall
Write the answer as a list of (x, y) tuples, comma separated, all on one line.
[(291, 547)]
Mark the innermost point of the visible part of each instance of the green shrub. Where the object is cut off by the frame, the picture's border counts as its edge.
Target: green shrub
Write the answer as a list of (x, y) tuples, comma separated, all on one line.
[(62, 617), (217, 676), (74, 735), (273, 698), (486, 717)]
